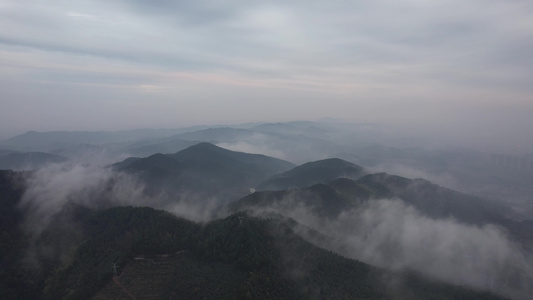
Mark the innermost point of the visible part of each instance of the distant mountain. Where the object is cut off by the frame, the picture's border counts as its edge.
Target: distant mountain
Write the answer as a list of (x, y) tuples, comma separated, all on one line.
[(122, 165), (288, 146), (300, 128), (204, 170), (166, 146), (290, 141), (322, 171), (157, 166), (5, 152), (52, 140), (82, 151), (216, 135), (354, 134), (28, 161)]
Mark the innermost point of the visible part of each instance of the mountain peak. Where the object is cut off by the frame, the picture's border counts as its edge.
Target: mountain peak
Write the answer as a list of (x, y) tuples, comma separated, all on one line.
[(201, 148), (204, 146)]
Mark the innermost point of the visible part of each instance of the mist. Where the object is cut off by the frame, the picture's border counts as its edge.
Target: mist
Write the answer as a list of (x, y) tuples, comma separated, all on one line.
[(55, 186), (438, 90), (52, 188), (392, 235), (395, 236), (386, 233)]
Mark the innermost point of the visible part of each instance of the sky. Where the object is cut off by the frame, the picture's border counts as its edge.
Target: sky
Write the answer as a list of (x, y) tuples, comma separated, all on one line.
[(444, 66)]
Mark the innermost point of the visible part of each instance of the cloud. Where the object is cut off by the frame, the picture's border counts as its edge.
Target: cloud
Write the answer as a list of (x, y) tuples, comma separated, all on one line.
[(52, 188), (366, 61), (295, 34), (392, 235), (257, 143), (404, 170)]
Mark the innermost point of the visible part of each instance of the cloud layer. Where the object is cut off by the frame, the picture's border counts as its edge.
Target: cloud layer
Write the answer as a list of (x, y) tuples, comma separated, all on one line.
[(392, 235), (446, 64)]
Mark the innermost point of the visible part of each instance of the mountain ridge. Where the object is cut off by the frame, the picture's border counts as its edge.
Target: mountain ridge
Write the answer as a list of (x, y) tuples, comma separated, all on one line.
[(321, 171)]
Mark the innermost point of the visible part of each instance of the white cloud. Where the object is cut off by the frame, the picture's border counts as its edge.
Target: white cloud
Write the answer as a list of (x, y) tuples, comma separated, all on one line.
[(371, 61)]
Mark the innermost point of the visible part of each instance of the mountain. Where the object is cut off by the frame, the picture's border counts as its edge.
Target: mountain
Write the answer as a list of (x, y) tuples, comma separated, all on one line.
[(321, 200), (431, 200), (52, 140), (322, 171), (6, 152), (80, 150), (166, 146), (29, 160), (159, 255), (204, 170), (158, 166), (436, 201), (216, 135), (16, 282), (389, 220), (354, 134), (338, 195), (239, 257), (280, 144), (296, 128)]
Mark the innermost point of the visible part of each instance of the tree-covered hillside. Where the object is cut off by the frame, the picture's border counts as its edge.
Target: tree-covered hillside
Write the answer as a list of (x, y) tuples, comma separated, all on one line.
[(310, 173), (239, 257), (203, 171)]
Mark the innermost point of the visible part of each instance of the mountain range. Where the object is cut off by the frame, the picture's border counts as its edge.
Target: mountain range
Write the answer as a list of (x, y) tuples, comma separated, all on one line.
[(157, 255), (323, 228)]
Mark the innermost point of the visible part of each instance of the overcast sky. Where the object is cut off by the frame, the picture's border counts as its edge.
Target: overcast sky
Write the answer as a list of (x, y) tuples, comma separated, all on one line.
[(120, 64)]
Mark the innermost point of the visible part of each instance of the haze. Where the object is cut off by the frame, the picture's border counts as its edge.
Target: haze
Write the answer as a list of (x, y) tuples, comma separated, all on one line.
[(448, 68)]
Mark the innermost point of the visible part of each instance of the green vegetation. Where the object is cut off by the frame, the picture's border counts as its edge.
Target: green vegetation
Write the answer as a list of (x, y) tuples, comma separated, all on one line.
[(239, 257), (204, 170), (321, 171), (16, 281)]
